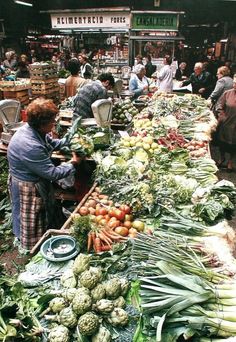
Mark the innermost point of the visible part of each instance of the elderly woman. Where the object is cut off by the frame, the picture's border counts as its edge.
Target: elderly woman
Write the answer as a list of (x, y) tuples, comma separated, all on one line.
[(224, 83), (227, 126), (138, 83), (32, 172)]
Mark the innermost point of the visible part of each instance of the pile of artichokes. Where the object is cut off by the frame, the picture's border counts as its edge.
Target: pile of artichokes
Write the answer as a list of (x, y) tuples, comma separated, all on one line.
[(86, 302)]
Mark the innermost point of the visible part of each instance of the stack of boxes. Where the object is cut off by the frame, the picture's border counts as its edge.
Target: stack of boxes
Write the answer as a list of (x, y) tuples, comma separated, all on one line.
[(44, 80), (16, 90)]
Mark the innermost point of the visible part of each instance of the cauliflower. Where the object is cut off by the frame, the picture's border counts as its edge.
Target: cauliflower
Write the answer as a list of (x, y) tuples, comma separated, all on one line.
[(88, 324), (59, 334), (68, 318), (81, 304), (68, 279), (81, 263), (119, 302), (57, 304), (90, 278), (113, 288), (104, 306), (103, 335), (98, 292), (118, 317)]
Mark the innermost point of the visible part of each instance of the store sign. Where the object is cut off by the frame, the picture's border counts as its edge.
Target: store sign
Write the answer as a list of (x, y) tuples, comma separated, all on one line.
[(94, 20), (155, 21)]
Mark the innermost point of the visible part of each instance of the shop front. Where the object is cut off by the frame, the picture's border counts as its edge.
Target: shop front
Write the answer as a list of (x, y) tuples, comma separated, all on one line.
[(103, 34), (154, 33)]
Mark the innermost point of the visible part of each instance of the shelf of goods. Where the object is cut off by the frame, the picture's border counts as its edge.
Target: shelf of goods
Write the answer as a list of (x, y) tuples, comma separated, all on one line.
[(44, 79), (17, 90)]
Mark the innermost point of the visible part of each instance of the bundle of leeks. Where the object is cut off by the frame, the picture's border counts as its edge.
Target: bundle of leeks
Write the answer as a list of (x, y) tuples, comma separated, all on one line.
[(179, 292)]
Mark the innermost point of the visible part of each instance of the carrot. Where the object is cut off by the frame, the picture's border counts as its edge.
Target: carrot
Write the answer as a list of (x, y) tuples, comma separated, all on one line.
[(103, 238), (106, 236), (90, 241), (106, 248), (97, 246)]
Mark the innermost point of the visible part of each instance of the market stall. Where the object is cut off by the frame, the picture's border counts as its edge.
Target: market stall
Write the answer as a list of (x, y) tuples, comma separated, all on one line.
[(153, 250)]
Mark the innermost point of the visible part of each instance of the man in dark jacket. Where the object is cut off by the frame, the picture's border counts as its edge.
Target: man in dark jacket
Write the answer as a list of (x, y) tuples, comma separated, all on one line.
[(201, 81)]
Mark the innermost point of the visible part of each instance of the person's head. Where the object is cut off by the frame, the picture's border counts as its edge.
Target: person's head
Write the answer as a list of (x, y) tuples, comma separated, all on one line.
[(167, 60), (198, 68), (234, 81), (8, 55), (140, 70), (228, 63), (41, 114), (23, 58), (139, 59), (183, 65), (54, 59), (73, 66), (107, 80), (83, 58), (222, 71)]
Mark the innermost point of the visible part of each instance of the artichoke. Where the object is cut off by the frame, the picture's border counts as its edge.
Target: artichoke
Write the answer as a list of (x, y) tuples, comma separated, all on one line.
[(57, 304), (68, 279), (119, 302), (81, 304), (103, 335), (59, 334), (104, 306), (69, 294), (124, 286), (81, 263), (113, 288), (90, 278), (98, 272), (68, 318), (118, 317), (88, 324), (83, 290), (98, 292)]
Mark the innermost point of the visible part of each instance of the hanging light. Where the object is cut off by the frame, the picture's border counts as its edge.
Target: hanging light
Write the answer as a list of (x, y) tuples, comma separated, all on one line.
[(25, 3)]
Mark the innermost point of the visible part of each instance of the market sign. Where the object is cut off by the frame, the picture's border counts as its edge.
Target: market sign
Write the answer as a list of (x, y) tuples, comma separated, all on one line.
[(155, 21), (85, 20)]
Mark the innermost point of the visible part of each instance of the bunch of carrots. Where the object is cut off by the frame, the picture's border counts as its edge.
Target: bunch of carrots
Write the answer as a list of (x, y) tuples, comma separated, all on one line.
[(102, 240)]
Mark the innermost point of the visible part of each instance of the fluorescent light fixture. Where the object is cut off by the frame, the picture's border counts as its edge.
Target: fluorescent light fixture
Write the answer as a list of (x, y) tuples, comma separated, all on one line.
[(19, 2)]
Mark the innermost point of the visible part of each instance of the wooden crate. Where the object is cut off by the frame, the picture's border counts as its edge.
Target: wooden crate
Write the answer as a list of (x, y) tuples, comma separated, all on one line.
[(22, 96), (50, 90), (14, 85)]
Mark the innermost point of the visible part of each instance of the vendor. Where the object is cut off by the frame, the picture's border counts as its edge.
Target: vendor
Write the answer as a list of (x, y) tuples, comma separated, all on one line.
[(32, 172), (86, 69), (138, 83), (74, 82)]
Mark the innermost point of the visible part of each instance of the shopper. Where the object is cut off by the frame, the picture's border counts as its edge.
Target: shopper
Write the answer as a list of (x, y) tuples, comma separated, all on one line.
[(139, 59), (22, 71), (165, 76), (74, 82), (32, 172), (181, 73), (225, 82), (227, 126), (201, 81), (86, 69), (150, 68), (138, 83), (10, 62), (89, 93)]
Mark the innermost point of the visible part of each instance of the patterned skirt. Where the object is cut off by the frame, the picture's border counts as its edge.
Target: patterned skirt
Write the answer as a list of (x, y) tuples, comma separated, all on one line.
[(28, 209)]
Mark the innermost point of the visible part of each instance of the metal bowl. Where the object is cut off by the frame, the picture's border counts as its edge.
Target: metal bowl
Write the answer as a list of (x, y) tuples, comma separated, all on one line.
[(51, 250)]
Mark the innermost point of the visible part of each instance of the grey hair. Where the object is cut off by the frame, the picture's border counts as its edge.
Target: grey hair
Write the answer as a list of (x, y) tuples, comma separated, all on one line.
[(198, 65), (138, 68)]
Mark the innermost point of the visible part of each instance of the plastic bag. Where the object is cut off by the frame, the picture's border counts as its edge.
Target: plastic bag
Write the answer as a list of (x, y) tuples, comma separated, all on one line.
[(67, 182)]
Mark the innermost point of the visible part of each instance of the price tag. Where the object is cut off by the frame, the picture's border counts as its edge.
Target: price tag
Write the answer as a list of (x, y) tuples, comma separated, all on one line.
[(128, 116), (123, 134)]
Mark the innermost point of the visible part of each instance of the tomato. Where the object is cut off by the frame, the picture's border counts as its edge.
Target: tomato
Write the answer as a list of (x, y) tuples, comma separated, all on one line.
[(91, 203), (139, 225), (91, 210), (113, 223), (120, 215), (123, 231), (128, 217), (103, 222), (125, 208), (127, 224), (102, 211), (83, 211), (99, 218)]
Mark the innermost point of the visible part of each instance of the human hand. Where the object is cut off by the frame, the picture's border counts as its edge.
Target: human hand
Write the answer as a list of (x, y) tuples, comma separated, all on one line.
[(201, 90)]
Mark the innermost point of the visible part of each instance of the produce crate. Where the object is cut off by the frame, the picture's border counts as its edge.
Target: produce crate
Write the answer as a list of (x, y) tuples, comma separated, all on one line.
[(43, 71), (14, 85), (50, 90), (21, 95), (44, 85)]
